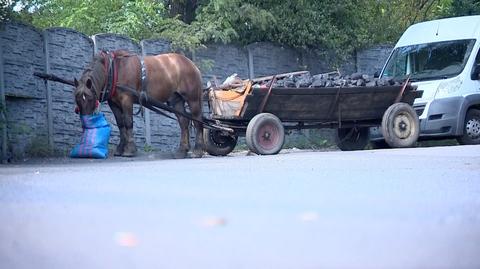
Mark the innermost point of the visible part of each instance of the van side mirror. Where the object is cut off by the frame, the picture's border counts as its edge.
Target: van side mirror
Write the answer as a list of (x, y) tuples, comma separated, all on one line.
[(376, 74), (476, 72)]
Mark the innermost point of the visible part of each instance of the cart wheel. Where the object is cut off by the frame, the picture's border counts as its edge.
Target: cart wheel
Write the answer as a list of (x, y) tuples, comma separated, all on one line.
[(265, 134), (400, 126), (218, 143), (352, 138)]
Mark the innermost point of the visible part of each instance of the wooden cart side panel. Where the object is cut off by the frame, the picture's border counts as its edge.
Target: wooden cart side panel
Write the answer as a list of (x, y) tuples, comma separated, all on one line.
[(310, 104)]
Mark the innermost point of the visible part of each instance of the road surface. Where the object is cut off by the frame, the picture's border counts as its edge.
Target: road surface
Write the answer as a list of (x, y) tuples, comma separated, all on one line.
[(397, 208)]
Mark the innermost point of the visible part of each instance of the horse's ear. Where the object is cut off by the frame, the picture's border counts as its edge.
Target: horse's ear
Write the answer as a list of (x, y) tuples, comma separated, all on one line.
[(75, 82), (89, 84)]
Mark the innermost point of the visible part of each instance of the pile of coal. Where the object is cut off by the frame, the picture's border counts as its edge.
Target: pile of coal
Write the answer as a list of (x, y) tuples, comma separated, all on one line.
[(333, 80)]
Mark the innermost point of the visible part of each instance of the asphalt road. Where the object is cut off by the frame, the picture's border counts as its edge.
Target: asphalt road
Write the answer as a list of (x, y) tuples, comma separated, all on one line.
[(398, 208)]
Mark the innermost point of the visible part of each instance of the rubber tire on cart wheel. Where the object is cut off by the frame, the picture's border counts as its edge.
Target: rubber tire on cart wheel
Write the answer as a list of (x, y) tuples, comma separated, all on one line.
[(265, 134), (352, 138), (217, 143), (471, 128), (400, 126)]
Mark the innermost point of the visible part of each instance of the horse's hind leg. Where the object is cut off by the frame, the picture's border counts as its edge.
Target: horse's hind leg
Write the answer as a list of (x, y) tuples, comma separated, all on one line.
[(196, 110), (117, 112), (179, 105), (130, 148)]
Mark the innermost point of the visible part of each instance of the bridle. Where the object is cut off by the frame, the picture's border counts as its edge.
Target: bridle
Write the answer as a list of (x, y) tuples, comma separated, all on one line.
[(110, 80), (110, 68)]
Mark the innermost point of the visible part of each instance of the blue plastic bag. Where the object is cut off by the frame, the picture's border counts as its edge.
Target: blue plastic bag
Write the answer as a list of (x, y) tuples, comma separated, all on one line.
[(96, 133)]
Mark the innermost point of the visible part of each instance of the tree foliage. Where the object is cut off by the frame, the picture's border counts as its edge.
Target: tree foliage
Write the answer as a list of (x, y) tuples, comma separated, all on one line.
[(464, 7), (339, 25), (5, 10), (388, 19), (138, 19)]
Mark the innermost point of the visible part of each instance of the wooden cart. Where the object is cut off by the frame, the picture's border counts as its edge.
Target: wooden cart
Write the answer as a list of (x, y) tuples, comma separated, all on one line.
[(262, 114)]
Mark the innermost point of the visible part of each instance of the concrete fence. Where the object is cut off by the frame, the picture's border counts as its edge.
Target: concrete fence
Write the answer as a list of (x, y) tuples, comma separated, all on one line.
[(37, 117)]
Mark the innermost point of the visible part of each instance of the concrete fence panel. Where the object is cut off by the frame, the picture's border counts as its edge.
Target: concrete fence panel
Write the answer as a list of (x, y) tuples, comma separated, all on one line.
[(270, 59), (372, 59), (68, 53), (25, 128)]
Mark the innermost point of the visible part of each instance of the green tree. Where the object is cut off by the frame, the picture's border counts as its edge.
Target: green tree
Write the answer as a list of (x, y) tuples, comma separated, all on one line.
[(388, 19), (464, 7), (183, 9), (137, 19), (6, 9), (338, 25)]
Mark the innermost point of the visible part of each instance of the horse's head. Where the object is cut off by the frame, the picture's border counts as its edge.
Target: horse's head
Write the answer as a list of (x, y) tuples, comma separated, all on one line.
[(88, 88), (85, 96)]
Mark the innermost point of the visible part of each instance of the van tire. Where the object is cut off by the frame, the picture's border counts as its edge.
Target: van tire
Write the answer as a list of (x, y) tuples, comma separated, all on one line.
[(471, 128), (400, 126)]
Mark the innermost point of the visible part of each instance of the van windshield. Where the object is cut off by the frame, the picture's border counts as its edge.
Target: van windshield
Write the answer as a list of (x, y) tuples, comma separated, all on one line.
[(438, 60)]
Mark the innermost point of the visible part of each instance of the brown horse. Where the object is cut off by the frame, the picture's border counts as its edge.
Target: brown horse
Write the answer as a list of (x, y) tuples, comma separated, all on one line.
[(170, 78)]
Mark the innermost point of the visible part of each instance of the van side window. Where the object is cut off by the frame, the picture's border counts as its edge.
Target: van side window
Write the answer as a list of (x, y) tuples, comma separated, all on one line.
[(477, 59), (474, 73)]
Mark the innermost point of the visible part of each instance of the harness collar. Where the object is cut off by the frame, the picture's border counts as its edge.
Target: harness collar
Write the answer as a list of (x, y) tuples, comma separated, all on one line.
[(111, 76)]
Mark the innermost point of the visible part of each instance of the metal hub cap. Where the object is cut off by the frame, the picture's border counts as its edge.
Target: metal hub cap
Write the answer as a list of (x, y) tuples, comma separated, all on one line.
[(268, 136), (473, 128), (402, 127)]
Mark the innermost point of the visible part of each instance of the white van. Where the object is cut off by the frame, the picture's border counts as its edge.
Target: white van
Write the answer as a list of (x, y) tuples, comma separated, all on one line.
[(442, 59)]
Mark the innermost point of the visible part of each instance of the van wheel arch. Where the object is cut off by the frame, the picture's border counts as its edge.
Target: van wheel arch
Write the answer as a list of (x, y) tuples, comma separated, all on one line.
[(471, 102), (470, 127)]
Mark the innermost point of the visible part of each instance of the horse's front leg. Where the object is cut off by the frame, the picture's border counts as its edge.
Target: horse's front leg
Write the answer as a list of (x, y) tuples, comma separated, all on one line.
[(130, 148), (117, 112)]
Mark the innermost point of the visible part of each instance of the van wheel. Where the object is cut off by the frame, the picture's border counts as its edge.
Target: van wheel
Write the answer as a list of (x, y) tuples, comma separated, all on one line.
[(471, 128)]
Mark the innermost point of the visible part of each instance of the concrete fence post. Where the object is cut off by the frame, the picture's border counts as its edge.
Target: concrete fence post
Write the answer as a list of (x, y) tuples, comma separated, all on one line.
[(48, 90), (251, 71), (3, 107)]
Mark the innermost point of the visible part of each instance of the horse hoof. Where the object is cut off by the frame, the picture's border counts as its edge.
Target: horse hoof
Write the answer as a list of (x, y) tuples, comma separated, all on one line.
[(197, 154), (130, 150), (119, 150)]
